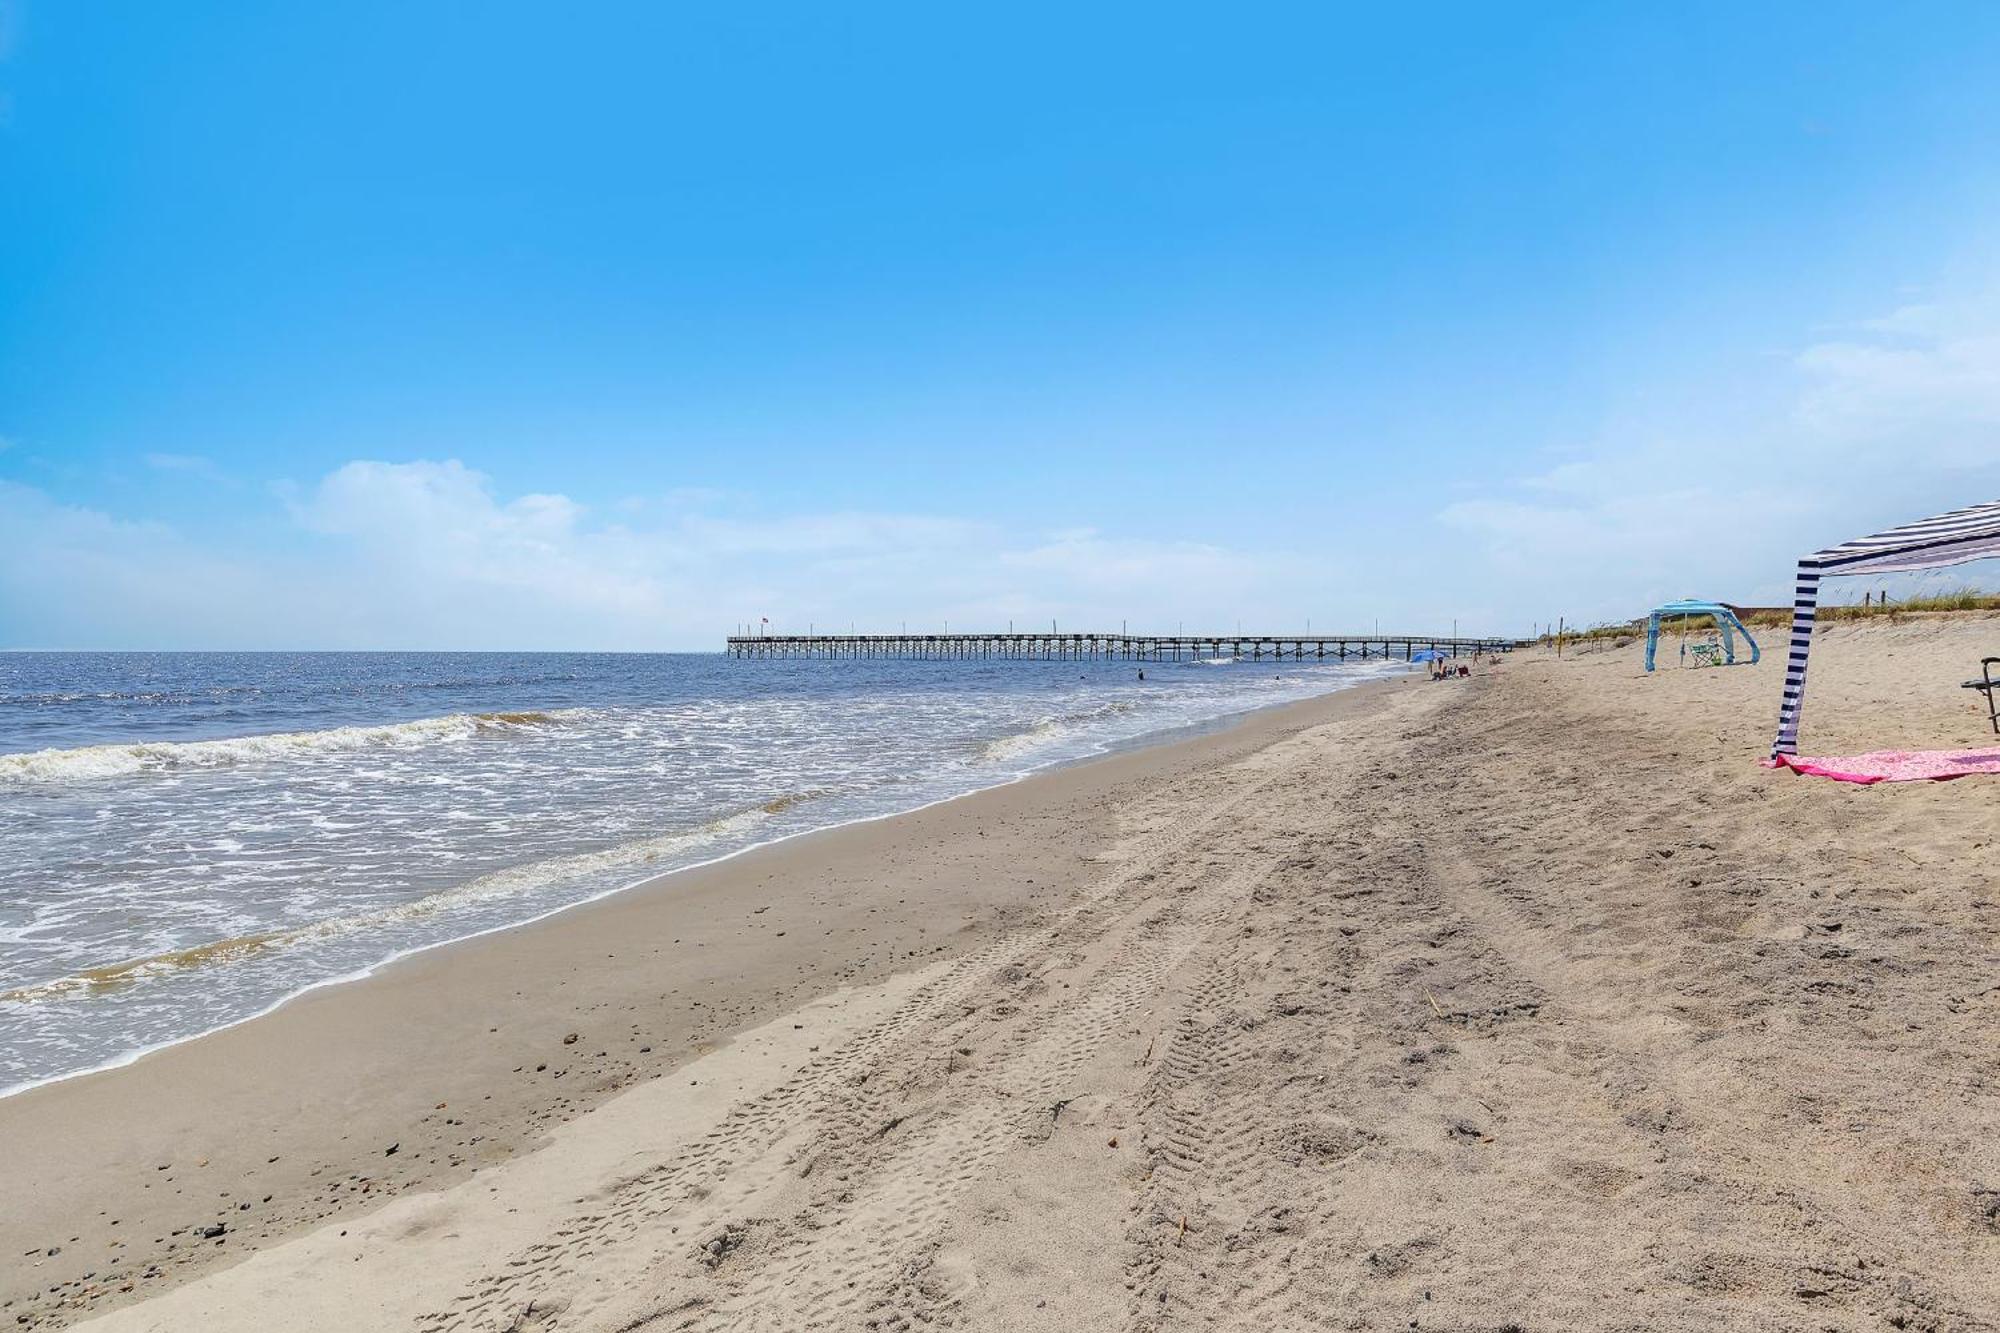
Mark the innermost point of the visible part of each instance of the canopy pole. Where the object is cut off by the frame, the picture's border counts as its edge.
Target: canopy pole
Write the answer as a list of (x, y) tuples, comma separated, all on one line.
[(1805, 607)]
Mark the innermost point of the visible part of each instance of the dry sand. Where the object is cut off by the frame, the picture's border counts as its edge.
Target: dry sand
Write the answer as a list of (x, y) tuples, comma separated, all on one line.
[(1521, 1002)]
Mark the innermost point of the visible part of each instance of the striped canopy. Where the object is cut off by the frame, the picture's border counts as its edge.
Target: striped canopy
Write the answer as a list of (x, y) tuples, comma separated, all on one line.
[(1948, 539)]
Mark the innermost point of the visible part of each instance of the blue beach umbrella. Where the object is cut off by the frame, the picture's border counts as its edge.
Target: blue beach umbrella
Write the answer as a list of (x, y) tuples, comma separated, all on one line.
[(1429, 655)]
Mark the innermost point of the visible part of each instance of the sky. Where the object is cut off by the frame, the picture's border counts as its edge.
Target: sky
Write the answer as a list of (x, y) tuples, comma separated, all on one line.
[(619, 326)]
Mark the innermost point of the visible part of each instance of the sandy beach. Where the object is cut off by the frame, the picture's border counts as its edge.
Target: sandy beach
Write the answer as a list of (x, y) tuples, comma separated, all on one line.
[(1527, 1001)]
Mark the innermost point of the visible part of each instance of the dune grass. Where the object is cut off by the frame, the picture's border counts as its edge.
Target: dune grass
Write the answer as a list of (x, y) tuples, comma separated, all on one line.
[(1953, 600)]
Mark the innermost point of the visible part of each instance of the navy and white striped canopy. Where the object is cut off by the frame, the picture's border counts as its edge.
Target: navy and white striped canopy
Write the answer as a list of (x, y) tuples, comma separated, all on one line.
[(1948, 539)]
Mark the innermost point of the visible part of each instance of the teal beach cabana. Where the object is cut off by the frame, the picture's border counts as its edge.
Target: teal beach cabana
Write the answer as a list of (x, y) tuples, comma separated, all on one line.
[(1725, 620)]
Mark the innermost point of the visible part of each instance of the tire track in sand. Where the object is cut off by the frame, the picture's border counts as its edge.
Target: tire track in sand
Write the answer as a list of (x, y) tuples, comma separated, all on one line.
[(815, 1204)]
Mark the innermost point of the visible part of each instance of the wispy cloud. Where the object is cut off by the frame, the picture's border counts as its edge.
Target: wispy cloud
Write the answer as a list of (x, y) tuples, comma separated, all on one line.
[(431, 553), (1926, 377), (1889, 420), (75, 575)]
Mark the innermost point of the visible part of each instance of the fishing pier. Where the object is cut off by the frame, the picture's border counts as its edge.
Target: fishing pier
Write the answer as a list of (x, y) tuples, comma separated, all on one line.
[(1118, 647)]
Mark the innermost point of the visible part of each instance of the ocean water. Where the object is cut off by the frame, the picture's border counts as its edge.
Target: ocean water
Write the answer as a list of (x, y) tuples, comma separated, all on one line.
[(188, 839)]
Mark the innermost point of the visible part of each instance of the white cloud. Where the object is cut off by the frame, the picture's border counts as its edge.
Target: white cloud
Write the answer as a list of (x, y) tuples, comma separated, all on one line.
[(1926, 377), (1890, 420), (437, 531), (431, 554), (71, 575)]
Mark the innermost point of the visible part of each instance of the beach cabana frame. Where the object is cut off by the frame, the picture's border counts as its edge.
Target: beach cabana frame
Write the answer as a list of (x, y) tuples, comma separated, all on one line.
[(1932, 543), (1725, 620)]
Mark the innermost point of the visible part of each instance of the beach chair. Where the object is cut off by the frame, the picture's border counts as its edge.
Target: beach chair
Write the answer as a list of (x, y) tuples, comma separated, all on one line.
[(1989, 683), (1706, 654)]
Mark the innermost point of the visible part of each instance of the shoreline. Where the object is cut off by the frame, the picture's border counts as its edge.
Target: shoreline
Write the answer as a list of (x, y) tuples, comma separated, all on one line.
[(37, 1121), (1216, 725), (1345, 1010)]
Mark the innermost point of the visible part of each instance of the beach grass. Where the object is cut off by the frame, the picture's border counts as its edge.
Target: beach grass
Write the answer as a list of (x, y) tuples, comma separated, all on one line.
[(1952, 601)]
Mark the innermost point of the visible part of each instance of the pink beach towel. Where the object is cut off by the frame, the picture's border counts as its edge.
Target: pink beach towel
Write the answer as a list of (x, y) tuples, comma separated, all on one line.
[(1895, 765)]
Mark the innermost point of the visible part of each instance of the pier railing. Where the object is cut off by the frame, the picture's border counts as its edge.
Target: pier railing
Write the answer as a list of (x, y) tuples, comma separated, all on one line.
[(1126, 647)]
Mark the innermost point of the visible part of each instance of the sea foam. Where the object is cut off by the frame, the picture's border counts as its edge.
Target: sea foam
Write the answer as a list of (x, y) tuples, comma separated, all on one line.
[(90, 762)]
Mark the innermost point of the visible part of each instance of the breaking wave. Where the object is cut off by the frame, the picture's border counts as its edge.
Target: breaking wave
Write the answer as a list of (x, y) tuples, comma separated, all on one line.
[(1048, 730), (512, 882), (777, 805), (91, 762), (1002, 748), (115, 976)]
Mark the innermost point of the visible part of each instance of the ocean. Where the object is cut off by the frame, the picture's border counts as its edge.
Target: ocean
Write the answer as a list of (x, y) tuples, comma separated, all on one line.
[(189, 839)]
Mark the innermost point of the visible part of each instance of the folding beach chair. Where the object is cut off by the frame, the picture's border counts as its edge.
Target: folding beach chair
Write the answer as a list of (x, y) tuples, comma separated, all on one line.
[(1989, 683), (1706, 651)]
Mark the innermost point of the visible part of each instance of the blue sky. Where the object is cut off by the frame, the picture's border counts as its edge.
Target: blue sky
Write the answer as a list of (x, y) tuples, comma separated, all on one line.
[(433, 326)]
